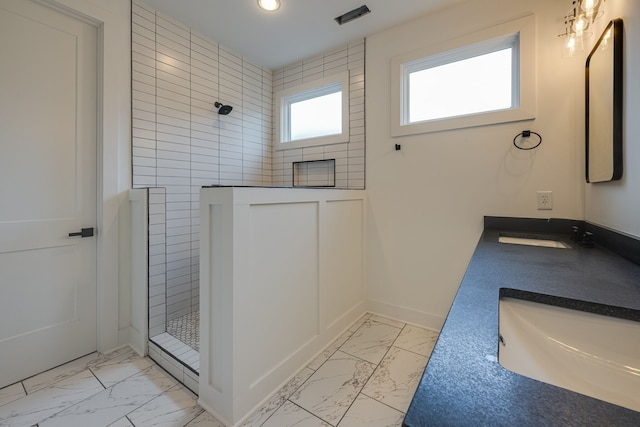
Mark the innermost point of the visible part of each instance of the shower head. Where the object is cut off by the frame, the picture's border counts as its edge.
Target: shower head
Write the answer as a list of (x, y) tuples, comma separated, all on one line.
[(223, 109)]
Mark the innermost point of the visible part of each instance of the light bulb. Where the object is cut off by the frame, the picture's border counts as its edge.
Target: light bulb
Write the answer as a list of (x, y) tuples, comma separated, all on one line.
[(571, 45), (269, 5), (589, 6), (580, 25)]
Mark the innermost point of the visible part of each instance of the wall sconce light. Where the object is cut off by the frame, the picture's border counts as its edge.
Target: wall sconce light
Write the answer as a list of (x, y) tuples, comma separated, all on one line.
[(577, 21), (590, 8), (269, 5)]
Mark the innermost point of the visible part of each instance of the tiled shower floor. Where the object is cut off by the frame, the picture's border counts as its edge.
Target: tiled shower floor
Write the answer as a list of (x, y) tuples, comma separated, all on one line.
[(187, 329)]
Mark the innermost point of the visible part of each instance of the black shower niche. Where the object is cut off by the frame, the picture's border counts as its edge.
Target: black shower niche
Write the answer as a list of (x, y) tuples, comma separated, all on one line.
[(314, 173)]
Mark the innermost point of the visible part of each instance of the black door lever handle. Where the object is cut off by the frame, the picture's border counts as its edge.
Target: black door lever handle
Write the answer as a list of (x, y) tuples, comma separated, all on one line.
[(85, 232)]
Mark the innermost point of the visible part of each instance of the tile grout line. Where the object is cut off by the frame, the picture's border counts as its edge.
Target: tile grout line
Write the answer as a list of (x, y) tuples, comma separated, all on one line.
[(100, 360), (370, 376), (382, 403), (131, 376), (294, 391), (191, 420), (359, 358), (48, 370), (96, 377), (413, 352), (62, 409), (308, 412), (138, 373), (287, 399), (376, 366)]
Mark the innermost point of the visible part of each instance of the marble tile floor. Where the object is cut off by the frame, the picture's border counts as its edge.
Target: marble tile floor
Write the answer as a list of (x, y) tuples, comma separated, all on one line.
[(120, 389), (367, 377)]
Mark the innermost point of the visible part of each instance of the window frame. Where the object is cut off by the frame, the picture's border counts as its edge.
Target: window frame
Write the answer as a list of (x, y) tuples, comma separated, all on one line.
[(488, 40), (510, 41), (313, 89)]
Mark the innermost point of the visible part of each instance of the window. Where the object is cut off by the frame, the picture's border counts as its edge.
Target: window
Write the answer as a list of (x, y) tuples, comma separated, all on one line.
[(316, 113), (317, 116), (468, 86), (480, 79)]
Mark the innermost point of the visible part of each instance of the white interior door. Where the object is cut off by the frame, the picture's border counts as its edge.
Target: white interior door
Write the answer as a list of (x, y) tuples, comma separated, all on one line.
[(47, 188)]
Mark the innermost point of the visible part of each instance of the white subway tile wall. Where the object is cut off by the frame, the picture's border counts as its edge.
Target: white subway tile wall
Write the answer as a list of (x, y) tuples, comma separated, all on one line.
[(157, 262), (349, 157), (180, 143)]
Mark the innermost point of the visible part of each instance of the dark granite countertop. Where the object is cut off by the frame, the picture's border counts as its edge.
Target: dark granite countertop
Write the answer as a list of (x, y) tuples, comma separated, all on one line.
[(463, 383), (304, 187)]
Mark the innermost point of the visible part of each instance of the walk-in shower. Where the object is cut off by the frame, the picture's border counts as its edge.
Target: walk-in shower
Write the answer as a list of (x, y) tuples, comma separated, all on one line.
[(174, 333)]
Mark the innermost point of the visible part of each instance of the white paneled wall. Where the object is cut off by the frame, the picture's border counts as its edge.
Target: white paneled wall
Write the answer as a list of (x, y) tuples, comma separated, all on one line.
[(180, 143), (349, 156), (283, 275)]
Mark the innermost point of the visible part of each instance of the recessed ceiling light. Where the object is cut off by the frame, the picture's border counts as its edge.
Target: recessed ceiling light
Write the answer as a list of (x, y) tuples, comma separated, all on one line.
[(269, 5)]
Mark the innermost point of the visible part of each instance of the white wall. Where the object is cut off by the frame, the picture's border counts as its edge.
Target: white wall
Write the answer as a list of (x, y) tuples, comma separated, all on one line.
[(616, 204), (427, 201)]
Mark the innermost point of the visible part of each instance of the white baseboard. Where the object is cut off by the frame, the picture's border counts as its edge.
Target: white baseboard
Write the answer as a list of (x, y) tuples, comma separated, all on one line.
[(406, 314), (137, 341)]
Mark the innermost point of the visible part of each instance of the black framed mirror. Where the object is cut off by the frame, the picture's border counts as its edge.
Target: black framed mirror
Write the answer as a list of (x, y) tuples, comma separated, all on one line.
[(604, 79)]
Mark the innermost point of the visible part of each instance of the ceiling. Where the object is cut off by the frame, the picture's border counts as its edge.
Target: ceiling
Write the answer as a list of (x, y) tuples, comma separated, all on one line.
[(300, 28)]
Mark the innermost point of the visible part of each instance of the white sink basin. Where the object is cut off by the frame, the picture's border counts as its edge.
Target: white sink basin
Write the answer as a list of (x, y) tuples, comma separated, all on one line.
[(533, 242), (592, 354)]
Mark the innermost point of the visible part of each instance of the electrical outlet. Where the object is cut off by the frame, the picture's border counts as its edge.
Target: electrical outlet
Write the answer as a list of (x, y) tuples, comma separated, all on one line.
[(545, 200)]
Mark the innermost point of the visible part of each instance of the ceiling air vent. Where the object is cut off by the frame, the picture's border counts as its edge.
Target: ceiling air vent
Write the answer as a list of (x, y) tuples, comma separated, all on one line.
[(354, 14)]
